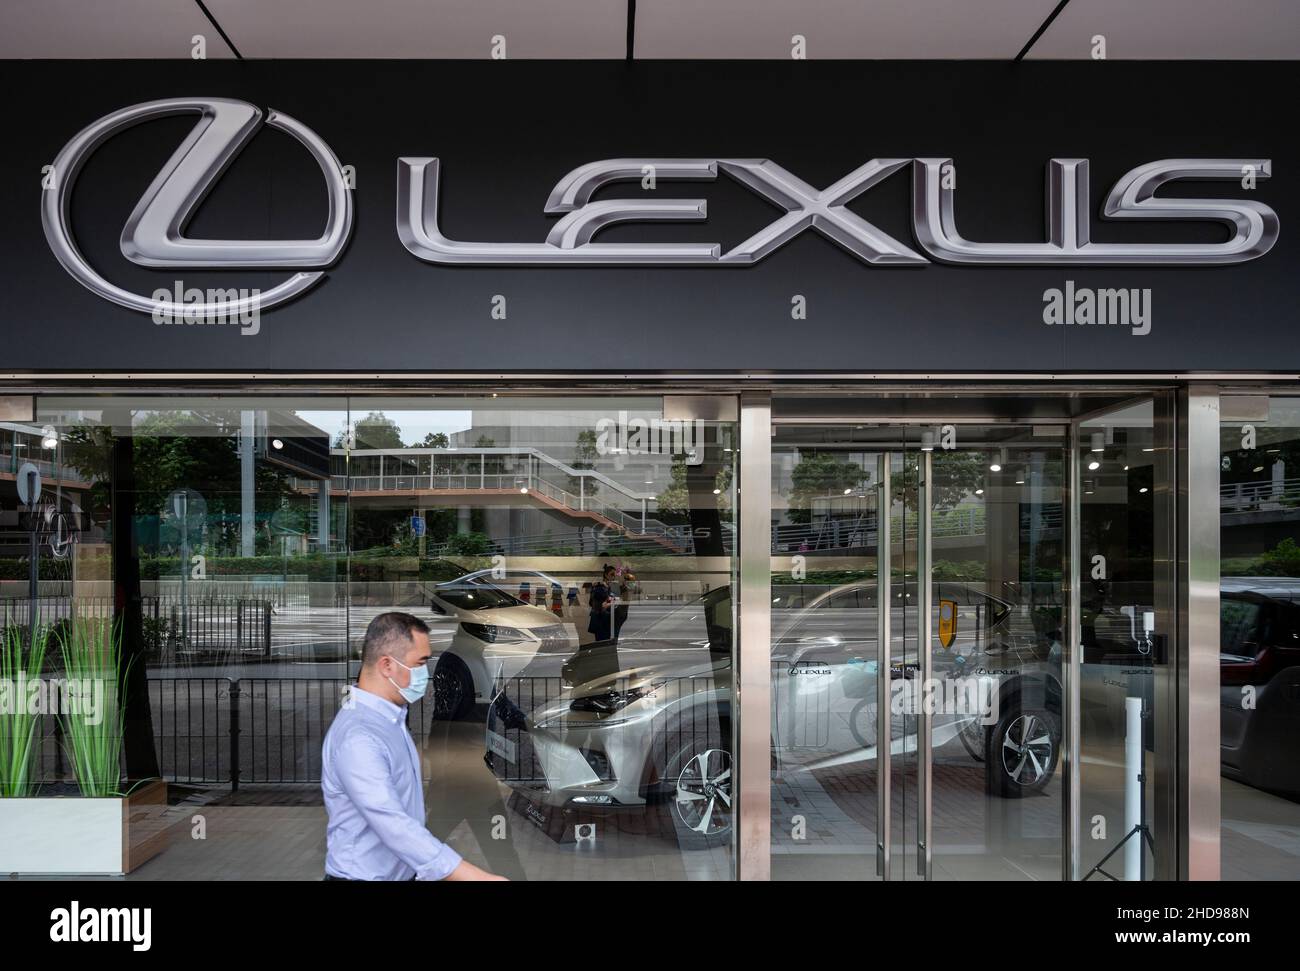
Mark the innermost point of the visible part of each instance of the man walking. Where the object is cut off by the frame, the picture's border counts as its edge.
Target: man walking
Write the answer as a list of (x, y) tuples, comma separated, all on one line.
[(370, 775)]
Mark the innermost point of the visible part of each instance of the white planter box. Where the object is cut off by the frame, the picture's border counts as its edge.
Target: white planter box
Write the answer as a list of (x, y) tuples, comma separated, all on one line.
[(71, 834)]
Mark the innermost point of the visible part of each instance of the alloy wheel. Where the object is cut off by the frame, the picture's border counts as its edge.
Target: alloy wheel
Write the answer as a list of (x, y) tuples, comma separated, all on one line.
[(1027, 750), (704, 793)]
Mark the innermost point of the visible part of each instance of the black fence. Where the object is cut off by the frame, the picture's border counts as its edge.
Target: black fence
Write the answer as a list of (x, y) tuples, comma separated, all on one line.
[(200, 628), (229, 625)]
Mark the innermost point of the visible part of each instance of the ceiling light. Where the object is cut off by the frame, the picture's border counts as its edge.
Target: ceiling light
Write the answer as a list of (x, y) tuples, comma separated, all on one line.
[(1098, 441), (49, 437), (927, 440), (1094, 465), (995, 467), (979, 492), (1143, 489), (276, 443)]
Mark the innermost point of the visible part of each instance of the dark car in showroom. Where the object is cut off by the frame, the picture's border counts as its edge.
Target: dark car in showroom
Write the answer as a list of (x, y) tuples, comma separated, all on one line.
[(1259, 678)]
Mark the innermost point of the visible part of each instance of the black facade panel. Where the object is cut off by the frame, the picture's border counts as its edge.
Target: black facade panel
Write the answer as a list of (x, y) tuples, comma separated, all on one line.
[(506, 132)]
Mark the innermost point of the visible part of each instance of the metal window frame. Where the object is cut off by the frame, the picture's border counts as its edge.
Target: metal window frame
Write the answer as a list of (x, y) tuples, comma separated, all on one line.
[(1071, 663), (1198, 566), (751, 728)]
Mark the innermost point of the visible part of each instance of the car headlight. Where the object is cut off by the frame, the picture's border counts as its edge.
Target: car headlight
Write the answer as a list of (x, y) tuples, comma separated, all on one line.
[(611, 701), (492, 633)]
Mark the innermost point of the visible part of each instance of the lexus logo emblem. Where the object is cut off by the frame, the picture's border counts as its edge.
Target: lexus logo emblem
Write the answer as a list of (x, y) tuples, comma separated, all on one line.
[(154, 233)]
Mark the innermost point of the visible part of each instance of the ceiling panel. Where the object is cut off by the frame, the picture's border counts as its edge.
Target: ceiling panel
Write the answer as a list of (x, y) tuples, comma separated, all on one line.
[(837, 28), (114, 28), (1175, 29), (424, 28), (758, 29)]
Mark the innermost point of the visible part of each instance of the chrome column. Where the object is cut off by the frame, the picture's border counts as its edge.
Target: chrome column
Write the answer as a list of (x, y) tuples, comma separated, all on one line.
[(751, 727), (923, 697), (1198, 634), (884, 821), (1071, 663)]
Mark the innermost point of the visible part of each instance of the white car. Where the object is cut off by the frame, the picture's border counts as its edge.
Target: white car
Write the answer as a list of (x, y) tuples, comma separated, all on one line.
[(495, 636), (644, 725), (542, 587)]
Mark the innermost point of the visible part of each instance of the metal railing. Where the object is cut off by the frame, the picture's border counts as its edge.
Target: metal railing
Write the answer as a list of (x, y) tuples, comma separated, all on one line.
[(496, 469), (860, 532), (174, 628), (1242, 496)]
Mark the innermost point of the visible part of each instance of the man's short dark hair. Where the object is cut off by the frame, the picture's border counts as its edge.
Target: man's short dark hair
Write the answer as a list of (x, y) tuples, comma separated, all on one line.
[(390, 634)]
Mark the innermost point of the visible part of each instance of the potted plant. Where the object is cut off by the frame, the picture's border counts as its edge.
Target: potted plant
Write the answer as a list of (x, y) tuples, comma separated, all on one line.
[(20, 665), (103, 826)]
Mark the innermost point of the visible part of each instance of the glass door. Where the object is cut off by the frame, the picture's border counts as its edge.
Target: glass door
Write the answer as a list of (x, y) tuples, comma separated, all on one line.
[(1125, 701), (984, 543), (830, 572), (916, 667)]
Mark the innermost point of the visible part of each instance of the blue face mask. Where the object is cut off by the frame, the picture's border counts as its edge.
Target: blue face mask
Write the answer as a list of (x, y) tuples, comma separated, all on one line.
[(414, 691)]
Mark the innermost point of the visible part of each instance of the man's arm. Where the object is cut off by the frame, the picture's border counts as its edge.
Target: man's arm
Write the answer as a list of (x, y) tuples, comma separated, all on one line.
[(361, 763), (468, 871)]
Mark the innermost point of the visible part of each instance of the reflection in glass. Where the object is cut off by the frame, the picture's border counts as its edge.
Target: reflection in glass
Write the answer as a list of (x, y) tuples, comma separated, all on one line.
[(1259, 602), (993, 505), (573, 557), (1123, 591)]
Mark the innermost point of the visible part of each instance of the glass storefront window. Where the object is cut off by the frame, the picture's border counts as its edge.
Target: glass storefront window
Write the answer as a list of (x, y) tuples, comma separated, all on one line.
[(1259, 670), (573, 558), (1126, 610)]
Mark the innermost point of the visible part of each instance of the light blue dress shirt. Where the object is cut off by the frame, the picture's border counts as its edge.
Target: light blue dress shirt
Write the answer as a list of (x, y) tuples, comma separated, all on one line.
[(374, 795)]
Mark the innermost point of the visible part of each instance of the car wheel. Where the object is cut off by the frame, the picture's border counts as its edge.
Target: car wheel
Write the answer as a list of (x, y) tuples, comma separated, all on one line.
[(690, 757), (1022, 751), (702, 799), (453, 689)]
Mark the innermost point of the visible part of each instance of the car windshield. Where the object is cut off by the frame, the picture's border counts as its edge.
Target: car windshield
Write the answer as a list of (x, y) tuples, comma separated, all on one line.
[(475, 596)]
